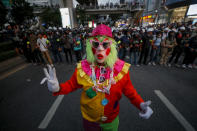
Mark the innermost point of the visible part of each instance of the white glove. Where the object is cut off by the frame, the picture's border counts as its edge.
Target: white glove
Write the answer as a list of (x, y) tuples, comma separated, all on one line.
[(52, 82), (146, 110)]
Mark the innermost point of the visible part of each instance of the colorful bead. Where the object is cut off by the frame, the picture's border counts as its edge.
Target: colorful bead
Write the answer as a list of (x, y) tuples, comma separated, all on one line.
[(104, 102), (90, 93)]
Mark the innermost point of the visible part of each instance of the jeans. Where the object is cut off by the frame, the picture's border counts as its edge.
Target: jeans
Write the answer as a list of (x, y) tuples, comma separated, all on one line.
[(190, 56), (68, 52), (176, 53), (135, 55), (121, 53), (154, 54), (144, 54), (57, 56)]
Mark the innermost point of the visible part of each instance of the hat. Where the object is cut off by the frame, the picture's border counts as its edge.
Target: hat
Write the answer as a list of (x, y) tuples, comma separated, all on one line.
[(166, 29), (182, 28), (150, 30), (102, 30), (174, 29)]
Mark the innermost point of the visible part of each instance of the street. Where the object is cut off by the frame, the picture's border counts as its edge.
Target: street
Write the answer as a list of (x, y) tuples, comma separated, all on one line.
[(24, 103)]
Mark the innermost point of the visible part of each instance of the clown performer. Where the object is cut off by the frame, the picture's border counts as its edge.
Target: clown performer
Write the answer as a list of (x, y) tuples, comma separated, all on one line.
[(103, 78)]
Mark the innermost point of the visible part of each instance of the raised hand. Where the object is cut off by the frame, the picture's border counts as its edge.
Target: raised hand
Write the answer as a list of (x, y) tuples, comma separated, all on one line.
[(50, 77), (146, 110)]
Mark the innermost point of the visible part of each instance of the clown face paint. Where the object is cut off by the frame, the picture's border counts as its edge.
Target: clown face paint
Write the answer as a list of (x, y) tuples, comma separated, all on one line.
[(101, 48)]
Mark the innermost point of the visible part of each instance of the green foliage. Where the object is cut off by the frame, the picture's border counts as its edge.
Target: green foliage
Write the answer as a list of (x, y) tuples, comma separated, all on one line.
[(51, 16), (21, 10), (81, 17), (3, 13), (114, 17)]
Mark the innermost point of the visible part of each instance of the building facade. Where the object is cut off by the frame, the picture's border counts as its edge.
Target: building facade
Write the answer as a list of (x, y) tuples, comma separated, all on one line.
[(178, 9), (154, 13)]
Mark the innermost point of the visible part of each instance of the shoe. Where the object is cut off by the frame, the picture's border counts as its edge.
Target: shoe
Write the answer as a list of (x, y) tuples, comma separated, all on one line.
[(149, 63), (138, 65), (169, 65), (127, 57), (177, 65), (153, 64), (194, 66), (190, 66), (183, 66)]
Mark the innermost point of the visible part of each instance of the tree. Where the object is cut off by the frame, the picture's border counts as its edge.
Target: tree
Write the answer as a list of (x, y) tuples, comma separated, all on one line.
[(3, 13), (114, 17), (81, 16), (21, 11), (51, 16)]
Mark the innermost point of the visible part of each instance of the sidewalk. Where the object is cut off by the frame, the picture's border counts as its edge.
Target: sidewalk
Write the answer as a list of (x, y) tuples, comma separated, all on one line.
[(11, 64)]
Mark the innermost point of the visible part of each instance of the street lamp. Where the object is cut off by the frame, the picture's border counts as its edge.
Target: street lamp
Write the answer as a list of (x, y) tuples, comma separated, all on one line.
[(156, 13)]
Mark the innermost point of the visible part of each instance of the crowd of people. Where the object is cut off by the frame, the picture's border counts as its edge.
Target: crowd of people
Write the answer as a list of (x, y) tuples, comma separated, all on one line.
[(50, 47), (166, 45)]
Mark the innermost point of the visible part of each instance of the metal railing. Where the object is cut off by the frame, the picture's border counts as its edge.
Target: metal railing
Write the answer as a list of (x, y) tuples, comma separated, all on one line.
[(114, 7)]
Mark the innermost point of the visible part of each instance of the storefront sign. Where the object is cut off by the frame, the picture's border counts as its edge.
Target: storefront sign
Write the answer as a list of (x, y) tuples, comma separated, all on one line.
[(146, 17)]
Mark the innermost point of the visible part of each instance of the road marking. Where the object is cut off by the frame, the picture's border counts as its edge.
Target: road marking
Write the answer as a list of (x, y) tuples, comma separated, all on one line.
[(51, 112), (6, 74), (174, 111)]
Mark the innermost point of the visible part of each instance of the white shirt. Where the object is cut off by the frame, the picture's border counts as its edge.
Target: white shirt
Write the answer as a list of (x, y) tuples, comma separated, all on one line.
[(157, 41), (164, 36), (42, 44)]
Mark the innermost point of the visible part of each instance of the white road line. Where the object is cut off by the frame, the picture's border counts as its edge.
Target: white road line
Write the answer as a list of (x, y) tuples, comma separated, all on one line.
[(174, 111), (50, 113), (13, 71)]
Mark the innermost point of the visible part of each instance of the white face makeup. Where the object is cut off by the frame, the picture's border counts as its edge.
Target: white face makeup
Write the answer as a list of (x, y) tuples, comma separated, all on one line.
[(101, 48)]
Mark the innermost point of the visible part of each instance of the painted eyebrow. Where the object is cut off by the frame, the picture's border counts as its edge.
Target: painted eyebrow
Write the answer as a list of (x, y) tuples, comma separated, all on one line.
[(105, 39), (96, 39)]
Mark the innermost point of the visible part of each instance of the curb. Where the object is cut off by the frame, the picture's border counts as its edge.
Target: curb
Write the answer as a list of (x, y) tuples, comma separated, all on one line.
[(11, 64)]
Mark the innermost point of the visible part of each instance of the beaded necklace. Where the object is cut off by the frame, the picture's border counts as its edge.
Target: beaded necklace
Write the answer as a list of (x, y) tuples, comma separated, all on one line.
[(105, 89)]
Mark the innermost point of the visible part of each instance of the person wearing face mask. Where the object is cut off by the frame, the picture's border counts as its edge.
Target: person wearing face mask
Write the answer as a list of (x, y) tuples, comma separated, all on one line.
[(66, 41), (165, 33), (155, 49), (146, 46), (42, 44), (77, 47), (121, 47), (167, 47), (135, 48), (179, 47), (185, 42), (191, 53), (103, 79)]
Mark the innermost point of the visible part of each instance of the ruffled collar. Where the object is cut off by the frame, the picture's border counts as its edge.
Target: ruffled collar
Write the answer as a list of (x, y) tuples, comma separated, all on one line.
[(118, 66)]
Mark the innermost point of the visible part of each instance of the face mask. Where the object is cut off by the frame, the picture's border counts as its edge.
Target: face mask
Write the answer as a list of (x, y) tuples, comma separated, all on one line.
[(179, 35)]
